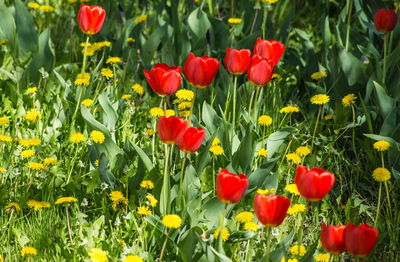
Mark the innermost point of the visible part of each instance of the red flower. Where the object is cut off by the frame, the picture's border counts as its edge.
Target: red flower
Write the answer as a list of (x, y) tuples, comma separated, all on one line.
[(200, 71), (170, 129), (164, 79), (91, 18), (260, 70), (385, 20), (192, 139), (332, 238), (313, 184), (269, 49), (231, 187), (271, 210), (360, 240), (237, 60)]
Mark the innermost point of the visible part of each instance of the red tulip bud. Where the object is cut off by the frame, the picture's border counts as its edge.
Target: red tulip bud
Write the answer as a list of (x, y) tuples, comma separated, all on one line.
[(200, 71), (164, 79), (385, 20), (237, 60), (313, 184), (231, 187), (360, 240), (91, 19), (271, 210), (171, 129), (332, 238), (260, 71), (269, 49), (192, 139)]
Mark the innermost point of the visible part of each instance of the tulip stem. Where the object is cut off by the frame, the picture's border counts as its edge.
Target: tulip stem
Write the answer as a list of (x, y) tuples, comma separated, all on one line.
[(165, 106), (165, 189), (255, 104), (234, 105), (348, 24), (251, 104), (379, 204), (191, 107), (268, 243), (384, 57), (315, 128), (164, 245), (84, 57), (180, 181)]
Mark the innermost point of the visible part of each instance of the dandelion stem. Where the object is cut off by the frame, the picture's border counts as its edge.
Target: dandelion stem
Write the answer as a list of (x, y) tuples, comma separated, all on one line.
[(263, 26), (379, 204), (191, 107), (388, 199), (126, 65), (165, 189), (254, 21), (315, 128), (164, 245), (283, 119), (354, 139), (69, 227), (348, 24), (115, 79), (384, 58), (234, 105), (213, 164), (268, 243)]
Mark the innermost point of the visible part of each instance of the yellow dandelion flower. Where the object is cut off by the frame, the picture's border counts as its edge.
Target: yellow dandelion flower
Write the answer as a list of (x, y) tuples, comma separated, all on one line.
[(381, 145), (126, 97), (31, 91), (234, 21), (1, 258), (12, 207), (90, 50), (77, 138), (65, 200), (50, 161), (133, 259), (4, 120), (28, 252), (96, 163), (32, 115), (46, 8), (72, 1), (170, 112), (116, 195), (87, 102), (244, 217), (138, 89), (120, 204), (184, 105), (381, 174), (322, 257), (270, 1), (34, 141), (292, 260), (4, 138), (264, 120), (216, 142), (298, 250), (150, 132), (348, 100), (143, 210), (172, 221), (225, 234), (185, 94), (113, 60), (156, 112), (33, 5), (100, 45), (318, 75), (130, 40), (177, 101), (152, 199), (36, 166), (27, 153), (295, 158), (320, 99), (262, 152), (184, 114), (329, 117), (289, 110), (216, 150), (147, 184), (37, 205), (2, 170), (98, 255), (292, 188), (265, 191), (97, 136), (82, 80), (250, 226), (107, 73), (303, 151), (2, 42), (24, 142), (140, 19), (296, 208), (276, 76)]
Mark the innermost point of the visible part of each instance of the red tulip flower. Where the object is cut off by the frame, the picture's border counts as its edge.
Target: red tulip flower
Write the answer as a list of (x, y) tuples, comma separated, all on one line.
[(360, 240), (271, 210), (237, 60), (171, 129), (313, 184), (332, 238), (91, 19), (200, 71), (385, 20), (260, 71), (191, 139), (269, 49), (164, 79), (231, 187)]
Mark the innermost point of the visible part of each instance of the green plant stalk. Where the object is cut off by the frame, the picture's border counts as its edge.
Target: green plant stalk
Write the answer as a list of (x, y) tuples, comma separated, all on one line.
[(268, 243), (388, 199), (213, 171), (348, 24), (391, 34), (126, 65), (233, 8), (354, 138), (191, 107), (234, 105), (69, 227), (164, 245), (180, 180), (164, 201), (379, 204), (315, 128), (384, 58), (85, 56), (211, 7), (115, 79), (251, 103), (254, 21), (263, 26), (283, 119), (255, 104)]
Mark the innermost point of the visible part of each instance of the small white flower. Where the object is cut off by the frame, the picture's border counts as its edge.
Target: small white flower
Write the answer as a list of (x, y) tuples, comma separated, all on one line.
[(84, 202)]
